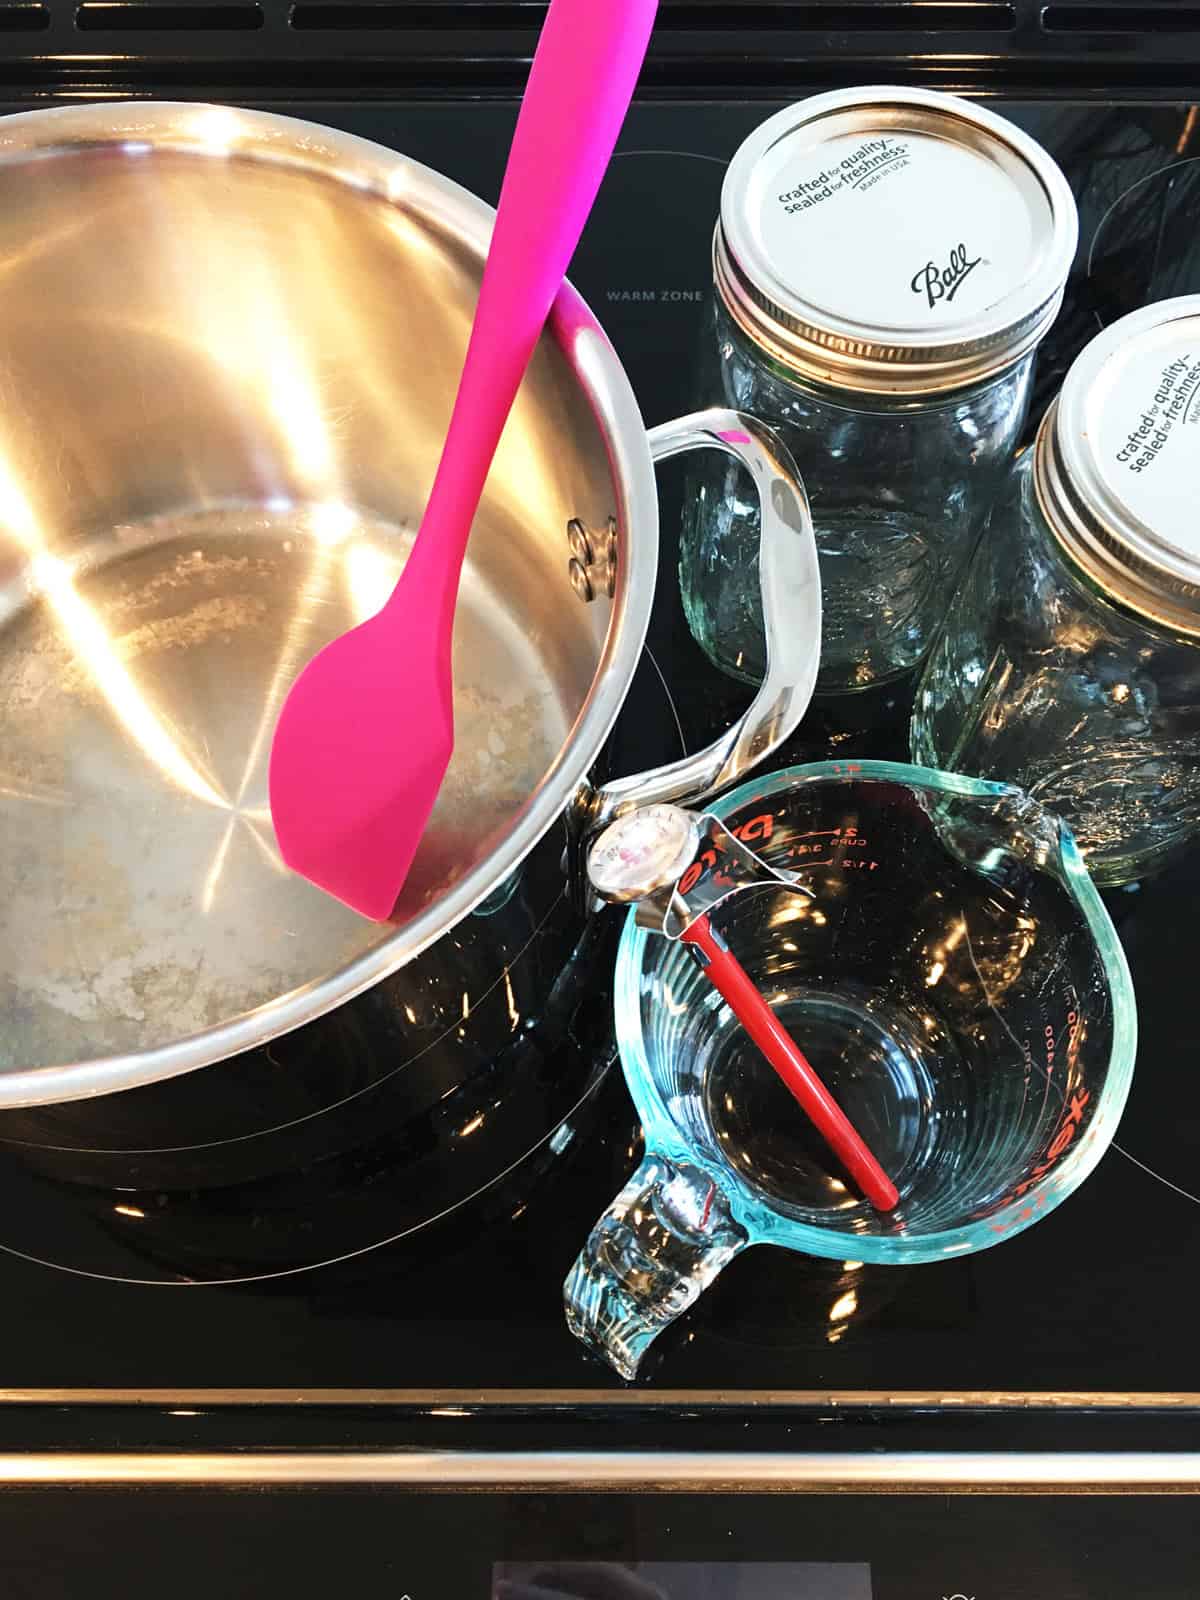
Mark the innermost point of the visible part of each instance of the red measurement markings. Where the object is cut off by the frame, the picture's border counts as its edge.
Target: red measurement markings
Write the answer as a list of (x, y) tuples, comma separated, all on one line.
[(1025, 1214), (1052, 1041), (829, 845), (1063, 1139), (1027, 1057), (837, 840), (761, 827)]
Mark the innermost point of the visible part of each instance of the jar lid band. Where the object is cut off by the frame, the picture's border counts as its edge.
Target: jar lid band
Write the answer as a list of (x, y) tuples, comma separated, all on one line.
[(1117, 466), (894, 241)]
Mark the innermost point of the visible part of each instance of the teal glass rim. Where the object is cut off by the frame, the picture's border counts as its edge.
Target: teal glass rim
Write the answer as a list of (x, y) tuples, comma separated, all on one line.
[(762, 1222)]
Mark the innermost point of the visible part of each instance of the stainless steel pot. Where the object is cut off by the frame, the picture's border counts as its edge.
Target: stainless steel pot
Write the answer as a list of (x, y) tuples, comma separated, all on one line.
[(229, 344)]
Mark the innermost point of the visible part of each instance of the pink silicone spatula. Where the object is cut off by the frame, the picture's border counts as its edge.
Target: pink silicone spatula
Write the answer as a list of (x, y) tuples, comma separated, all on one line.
[(366, 734)]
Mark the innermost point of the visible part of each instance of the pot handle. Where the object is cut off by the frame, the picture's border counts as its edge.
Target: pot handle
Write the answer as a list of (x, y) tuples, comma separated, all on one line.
[(790, 584)]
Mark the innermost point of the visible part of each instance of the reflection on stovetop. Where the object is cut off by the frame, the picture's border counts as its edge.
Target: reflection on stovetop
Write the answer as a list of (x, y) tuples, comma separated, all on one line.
[(1099, 1296), (123, 1199)]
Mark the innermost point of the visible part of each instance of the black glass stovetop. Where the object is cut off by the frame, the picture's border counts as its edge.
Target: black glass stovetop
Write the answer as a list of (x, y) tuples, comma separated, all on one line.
[(1098, 1300)]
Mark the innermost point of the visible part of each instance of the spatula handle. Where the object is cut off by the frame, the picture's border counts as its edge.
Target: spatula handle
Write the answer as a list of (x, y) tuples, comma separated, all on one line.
[(580, 86)]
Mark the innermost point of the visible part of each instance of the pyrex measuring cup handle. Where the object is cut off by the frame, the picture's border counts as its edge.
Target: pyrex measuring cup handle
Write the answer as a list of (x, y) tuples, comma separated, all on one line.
[(651, 1255), (790, 582)]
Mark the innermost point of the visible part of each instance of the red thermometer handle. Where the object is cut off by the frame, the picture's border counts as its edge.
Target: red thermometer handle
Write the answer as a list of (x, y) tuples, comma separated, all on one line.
[(727, 975)]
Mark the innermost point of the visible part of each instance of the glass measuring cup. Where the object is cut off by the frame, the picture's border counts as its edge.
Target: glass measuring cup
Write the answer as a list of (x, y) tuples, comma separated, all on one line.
[(950, 971)]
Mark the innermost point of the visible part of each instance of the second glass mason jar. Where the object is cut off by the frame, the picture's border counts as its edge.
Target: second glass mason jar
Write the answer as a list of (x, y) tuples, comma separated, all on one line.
[(1070, 661), (885, 263)]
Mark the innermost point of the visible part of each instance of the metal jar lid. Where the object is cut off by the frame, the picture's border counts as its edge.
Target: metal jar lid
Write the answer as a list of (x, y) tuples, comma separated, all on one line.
[(1117, 464), (894, 241)]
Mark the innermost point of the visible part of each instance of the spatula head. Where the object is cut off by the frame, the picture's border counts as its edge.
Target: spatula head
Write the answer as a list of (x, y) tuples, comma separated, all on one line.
[(360, 752)]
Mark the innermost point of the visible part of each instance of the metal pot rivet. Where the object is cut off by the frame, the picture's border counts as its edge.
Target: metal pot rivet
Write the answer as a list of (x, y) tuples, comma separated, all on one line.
[(580, 581), (581, 545)]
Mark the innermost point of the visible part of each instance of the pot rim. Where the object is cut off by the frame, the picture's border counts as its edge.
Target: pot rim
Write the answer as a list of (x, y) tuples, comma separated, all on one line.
[(219, 130)]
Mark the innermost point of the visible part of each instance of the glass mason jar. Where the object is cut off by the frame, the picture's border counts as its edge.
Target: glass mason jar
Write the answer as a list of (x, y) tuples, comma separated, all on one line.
[(885, 264), (1070, 660)]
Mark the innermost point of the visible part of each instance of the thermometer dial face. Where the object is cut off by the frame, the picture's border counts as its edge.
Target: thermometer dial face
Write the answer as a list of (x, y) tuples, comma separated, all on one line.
[(643, 851)]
